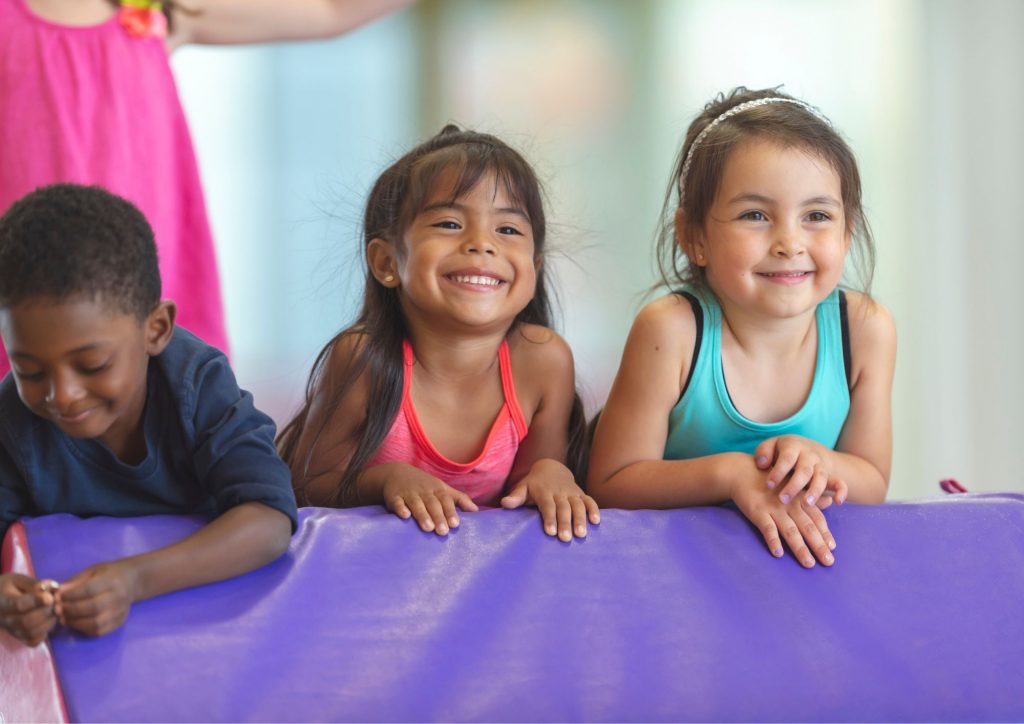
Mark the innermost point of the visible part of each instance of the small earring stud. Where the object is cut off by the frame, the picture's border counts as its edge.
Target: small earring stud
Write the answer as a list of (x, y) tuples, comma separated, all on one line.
[(389, 278)]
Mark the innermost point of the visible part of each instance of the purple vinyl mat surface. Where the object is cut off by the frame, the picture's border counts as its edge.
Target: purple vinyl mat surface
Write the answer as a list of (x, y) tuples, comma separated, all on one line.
[(657, 615)]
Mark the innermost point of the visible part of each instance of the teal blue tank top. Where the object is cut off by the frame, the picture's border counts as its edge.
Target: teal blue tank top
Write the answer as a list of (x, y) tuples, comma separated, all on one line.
[(705, 422)]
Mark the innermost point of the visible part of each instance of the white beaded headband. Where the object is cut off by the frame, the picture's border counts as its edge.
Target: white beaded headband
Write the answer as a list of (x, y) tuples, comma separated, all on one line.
[(728, 114)]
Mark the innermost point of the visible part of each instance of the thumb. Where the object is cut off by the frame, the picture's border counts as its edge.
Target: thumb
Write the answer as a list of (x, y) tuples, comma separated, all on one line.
[(516, 497), (764, 454), (466, 503)]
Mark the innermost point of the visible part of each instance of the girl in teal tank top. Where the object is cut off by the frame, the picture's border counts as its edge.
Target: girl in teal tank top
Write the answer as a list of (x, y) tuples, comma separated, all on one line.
[(758, 382)]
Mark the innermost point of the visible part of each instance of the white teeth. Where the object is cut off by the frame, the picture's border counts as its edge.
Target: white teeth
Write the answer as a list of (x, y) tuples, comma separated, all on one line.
[(474, 279)]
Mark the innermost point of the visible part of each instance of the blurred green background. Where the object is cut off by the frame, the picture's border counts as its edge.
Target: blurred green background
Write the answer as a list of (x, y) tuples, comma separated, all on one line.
[(598, 95)]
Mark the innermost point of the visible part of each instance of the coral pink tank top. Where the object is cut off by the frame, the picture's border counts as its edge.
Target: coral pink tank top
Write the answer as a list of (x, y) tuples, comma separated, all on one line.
[(97, 105), (484, 478)]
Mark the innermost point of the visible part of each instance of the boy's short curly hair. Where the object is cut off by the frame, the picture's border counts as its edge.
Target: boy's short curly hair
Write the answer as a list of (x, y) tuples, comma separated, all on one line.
[(69, 241)]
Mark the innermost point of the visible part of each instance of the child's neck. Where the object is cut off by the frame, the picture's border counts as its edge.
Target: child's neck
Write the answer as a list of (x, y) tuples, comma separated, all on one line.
[(455, 357), (766, 334)]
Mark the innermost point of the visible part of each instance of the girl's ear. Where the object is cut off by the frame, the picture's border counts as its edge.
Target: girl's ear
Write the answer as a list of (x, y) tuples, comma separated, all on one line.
[(692, 244), (380, 255), (538, 262), (159, 327)]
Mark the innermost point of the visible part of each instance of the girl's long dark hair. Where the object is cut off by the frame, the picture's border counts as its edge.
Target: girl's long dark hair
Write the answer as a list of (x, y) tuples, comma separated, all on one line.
[(376, 336)]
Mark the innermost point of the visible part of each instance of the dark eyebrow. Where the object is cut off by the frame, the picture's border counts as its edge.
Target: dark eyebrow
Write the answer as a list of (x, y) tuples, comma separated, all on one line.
[(441, 205), (760, 199), (76, 350)]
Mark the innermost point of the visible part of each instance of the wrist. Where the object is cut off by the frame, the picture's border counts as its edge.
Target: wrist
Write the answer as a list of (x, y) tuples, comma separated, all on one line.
[(370, 484), (136, 577), (731, 473)]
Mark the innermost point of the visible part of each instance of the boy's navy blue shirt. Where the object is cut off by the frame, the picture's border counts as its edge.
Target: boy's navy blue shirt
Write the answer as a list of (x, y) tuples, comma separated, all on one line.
[(208, 449)]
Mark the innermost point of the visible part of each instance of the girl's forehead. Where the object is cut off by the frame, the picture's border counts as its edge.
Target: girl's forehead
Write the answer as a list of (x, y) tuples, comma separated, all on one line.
[(453, 184), (764, 164)]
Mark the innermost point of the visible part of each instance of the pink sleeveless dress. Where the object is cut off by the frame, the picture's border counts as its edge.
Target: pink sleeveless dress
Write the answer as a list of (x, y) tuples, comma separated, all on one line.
[(482, 479), (97, 105)]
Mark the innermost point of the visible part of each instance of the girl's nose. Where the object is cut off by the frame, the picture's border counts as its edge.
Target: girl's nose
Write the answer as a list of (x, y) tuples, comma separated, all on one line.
[(787, 244), (477, 243)]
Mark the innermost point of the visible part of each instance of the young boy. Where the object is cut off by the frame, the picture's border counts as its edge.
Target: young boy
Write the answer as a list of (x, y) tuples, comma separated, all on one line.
[(111, 410)]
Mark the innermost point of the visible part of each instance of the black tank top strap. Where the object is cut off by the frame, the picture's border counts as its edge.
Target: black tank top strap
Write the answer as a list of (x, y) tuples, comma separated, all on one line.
[(844, 325), (698, 316)]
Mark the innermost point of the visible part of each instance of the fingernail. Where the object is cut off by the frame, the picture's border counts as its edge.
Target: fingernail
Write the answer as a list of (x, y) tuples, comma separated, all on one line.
[(771, 483), (762, 460), (565, 536), (581, 530), (784, 498), (777, 553), (454, 522), (550, 530), (810, 500), (829, 559), (442, 529), (808, 563), (831, 545)]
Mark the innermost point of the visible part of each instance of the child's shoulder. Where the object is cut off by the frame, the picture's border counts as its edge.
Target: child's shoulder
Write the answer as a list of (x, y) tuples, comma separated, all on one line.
[(540, 354), (668, 321), (536, 344), (870, 322), (187, 359), (872, 338)]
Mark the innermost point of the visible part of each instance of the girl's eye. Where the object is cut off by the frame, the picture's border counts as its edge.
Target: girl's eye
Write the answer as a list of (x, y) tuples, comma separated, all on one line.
[(447, 225), (29, 377), (753, 216), (510, 230), (818, 216)]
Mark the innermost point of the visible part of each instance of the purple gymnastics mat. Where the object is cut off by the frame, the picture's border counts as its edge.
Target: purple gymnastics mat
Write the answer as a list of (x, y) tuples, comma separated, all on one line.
[(657, 615)]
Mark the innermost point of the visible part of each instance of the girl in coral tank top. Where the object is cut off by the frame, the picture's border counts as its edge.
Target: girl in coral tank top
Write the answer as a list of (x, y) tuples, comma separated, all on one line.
[(450, 390)]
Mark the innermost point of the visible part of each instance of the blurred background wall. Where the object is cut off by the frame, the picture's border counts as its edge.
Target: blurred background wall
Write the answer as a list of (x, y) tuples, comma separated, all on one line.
[(598, 94)]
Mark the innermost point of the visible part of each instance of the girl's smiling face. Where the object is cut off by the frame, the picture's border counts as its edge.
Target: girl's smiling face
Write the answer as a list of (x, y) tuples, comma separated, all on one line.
[(775, 239), (467, 262)]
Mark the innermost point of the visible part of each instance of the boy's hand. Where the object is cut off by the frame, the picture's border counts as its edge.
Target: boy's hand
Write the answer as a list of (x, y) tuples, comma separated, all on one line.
[(97, 600), (564, 507), (803, 462), (800, 524), (26, 608), (409, 491)]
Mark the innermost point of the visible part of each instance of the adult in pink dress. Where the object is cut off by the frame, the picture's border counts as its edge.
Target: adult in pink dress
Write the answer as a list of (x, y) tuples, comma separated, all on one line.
[(87, 96)]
